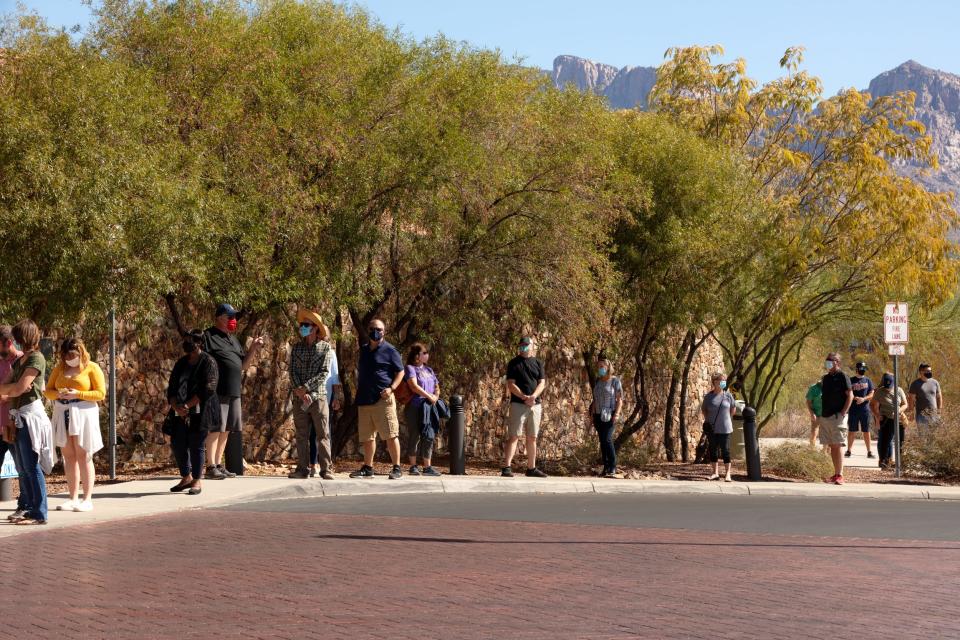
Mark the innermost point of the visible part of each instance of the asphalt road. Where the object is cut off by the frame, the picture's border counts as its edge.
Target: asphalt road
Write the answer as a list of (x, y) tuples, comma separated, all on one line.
[(835, 517)]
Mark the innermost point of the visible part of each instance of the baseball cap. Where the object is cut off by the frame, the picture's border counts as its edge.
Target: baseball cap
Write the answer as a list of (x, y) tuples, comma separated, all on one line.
[(224, 309)]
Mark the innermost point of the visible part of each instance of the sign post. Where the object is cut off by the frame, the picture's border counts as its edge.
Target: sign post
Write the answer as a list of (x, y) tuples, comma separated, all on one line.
[(896, 333)]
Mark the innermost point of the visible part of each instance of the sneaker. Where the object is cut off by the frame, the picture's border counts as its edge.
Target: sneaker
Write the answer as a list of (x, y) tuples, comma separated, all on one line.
[(180, 486), (611, 474), (506, 472), (870, 454), (715, 476), (84, 505), (832, 479), (395, 473), (414, 470), (838, 480), (214, 473), (848, 453), (68, 505), (365, 471), (326, 475), (535, 473), (728, 478), (226, 474), (430, 471), (298, 474), (19, 514)]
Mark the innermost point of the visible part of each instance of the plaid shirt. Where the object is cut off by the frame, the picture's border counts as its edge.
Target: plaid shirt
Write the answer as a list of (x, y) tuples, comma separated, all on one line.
[(310, 366)]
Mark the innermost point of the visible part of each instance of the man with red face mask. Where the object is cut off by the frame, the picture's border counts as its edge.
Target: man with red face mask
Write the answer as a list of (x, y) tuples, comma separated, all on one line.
[(232, 361)]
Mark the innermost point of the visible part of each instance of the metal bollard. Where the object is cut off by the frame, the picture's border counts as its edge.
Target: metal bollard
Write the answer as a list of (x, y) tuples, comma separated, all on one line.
[(233, 454), (6, 490), (751, 444), (455, 428)]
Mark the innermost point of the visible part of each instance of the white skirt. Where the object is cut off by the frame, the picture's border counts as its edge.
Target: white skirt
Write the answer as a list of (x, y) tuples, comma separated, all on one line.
[(81, 419)]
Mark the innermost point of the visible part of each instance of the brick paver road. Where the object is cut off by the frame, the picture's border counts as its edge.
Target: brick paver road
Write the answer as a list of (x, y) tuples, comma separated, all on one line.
[(231, 574)]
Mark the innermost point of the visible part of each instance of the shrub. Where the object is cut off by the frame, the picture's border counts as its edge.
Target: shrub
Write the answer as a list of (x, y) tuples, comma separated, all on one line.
[(937, 454), (796, 460)]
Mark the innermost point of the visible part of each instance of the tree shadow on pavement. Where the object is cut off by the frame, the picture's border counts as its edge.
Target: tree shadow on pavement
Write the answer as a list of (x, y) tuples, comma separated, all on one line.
[(819, 545)]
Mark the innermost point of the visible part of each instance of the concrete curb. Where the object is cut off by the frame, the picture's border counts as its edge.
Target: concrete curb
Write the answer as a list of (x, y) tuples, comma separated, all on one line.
[(489, 484)]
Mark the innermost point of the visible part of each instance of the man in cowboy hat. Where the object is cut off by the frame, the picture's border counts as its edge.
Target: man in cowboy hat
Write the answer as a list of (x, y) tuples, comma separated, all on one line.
[(309, 367)]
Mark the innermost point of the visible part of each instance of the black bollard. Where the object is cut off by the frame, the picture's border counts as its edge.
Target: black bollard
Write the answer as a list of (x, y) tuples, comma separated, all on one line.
[(6, 490), (233, 454), (751, 444), (455, 428)]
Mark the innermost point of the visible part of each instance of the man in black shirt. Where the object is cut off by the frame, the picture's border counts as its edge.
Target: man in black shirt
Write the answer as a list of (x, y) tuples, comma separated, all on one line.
[(232, 360), (837, 398), (525, 382)]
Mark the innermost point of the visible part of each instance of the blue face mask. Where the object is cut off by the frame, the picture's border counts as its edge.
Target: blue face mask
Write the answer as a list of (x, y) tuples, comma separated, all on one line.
[(376, 334), (524, 348), (602, 371), (723, 384), (305, 331), (828, 365)]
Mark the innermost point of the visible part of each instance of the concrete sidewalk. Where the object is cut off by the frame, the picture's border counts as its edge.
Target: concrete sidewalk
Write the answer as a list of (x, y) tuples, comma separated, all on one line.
[(149, 497)]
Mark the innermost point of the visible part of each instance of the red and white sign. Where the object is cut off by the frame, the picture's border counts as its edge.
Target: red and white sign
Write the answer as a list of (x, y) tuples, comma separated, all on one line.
[(896, 325)]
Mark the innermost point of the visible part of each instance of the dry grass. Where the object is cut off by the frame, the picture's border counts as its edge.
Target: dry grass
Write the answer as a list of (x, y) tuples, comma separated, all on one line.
[(796, 460)]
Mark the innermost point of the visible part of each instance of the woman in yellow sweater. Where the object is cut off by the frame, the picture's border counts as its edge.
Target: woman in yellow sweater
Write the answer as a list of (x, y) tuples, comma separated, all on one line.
[(76, 385)]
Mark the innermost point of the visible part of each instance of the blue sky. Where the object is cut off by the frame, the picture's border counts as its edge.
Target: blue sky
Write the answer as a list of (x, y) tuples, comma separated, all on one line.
[(848, 41)]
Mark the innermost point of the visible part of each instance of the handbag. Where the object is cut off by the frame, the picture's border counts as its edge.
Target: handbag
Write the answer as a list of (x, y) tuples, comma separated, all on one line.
[(403, 394), (170, 423)]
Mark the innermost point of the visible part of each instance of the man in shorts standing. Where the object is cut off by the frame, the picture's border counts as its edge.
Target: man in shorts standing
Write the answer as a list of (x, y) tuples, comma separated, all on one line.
[(525, 382), (837, 398), (379, 373), (860, 409), (232, 360)]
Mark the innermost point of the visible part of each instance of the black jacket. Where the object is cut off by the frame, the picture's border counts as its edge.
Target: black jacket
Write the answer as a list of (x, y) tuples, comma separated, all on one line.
[(203, 384)]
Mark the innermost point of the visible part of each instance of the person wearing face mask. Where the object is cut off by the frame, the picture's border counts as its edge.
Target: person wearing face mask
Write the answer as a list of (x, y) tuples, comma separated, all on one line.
[(426, 389), (526, 382), (36, 453), (718, 408), (195, 406), (75, 386), (232, 360), (310, 361), (885, 406), (859, 419), (9, 353), (926, 399), (837, 398), (379, 373), (815, 408), (603, 411)]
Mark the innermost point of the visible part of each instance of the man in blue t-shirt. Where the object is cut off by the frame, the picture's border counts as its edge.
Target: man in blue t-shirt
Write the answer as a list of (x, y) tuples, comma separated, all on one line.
[(859, 419), (379, 373)]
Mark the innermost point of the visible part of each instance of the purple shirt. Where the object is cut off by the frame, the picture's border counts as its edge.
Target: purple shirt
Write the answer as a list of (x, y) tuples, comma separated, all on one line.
[(425, 378)]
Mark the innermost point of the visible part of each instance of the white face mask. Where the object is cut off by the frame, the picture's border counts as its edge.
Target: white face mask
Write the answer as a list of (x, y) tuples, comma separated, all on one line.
[(73, 362)]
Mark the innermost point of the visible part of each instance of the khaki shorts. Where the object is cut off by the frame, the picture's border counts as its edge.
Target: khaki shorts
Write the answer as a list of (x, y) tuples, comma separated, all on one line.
[(378, 418), (833, 429), (524, 419)]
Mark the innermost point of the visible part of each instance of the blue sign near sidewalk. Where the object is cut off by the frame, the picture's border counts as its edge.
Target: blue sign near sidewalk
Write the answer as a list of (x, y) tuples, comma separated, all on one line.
[(8, 470)]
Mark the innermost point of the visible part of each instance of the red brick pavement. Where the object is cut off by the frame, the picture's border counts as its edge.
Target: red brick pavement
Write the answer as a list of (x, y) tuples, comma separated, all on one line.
[(216, 574)]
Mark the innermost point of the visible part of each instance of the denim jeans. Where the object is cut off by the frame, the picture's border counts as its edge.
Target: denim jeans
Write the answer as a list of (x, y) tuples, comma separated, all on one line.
[(33, 486), (12, 448), (886, 448), (189, 447), (607, 451)]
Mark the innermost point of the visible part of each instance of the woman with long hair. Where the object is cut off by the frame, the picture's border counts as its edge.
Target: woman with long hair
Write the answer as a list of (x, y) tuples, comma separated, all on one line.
[(75, 386)]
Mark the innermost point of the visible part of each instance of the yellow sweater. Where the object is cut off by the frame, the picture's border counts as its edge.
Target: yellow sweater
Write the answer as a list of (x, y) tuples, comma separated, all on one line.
[(89, 383)]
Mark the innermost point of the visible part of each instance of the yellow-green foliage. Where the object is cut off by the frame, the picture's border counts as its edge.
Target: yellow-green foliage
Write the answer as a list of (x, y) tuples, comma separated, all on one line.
[(796, 460)]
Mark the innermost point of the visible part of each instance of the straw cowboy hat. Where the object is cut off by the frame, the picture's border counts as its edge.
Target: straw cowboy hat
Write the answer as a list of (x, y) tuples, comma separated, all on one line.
[(311, 316)]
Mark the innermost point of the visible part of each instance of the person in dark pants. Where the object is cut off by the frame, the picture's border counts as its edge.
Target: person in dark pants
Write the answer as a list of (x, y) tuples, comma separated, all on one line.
[(604, 409), (425, 386), (192, 396), (9, 353), (884, 409), (718, 408)]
